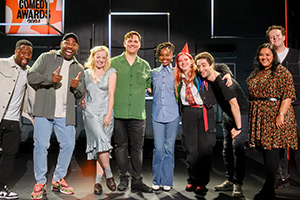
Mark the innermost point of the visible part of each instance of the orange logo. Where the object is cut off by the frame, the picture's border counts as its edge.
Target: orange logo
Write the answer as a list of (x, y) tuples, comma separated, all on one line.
[(34, 11)]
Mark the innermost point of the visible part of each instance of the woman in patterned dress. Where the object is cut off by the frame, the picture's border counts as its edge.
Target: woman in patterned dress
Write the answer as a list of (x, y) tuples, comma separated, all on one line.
[(100, 83), (272, 122)]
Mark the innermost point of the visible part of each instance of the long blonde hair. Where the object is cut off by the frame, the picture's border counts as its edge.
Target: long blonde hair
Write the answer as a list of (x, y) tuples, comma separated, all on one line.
[(90, 61)]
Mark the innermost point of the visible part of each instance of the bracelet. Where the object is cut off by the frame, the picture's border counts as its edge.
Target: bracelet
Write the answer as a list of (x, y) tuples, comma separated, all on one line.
[(281, 113), (238, 129)]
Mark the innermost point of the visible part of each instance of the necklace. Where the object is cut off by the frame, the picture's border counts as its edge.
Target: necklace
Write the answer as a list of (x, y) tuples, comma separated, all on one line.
[(96, 77)]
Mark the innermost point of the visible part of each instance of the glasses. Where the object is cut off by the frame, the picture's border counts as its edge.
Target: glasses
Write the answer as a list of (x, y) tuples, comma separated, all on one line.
[(70, 44)]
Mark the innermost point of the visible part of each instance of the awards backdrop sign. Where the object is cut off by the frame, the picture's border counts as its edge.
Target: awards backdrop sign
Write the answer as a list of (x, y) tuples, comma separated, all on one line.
[(32, 13)]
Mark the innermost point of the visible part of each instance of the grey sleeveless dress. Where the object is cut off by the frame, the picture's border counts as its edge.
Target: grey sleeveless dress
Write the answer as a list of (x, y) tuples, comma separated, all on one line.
[(96, 104)]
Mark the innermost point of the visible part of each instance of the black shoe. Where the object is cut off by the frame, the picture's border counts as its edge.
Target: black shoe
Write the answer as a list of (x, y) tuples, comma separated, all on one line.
[(282, 183), (263, 196), (141, 187), (6, 194), (259, 196), (110, 183), (98, 189), (190, 188), (201, 190), (123, 185)]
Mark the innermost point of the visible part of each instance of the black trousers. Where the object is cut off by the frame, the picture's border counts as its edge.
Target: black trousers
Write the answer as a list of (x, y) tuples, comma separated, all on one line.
[(271, 161), (297, 152), (198, 146), (233, 149), (283, 170), (129, 142), (10, 135)]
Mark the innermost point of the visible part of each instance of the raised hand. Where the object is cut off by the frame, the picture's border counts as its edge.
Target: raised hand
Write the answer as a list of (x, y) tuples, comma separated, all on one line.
[(56, 77), (75, 81)]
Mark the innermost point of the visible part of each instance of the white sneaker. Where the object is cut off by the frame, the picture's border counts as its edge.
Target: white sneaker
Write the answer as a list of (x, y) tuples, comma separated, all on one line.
[(237, 191), (225, 186), (6, 194), (166, 188), (155, 187)]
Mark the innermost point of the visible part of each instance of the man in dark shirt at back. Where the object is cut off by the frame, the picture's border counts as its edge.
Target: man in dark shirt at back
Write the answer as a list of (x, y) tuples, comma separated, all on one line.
[(290, 58)]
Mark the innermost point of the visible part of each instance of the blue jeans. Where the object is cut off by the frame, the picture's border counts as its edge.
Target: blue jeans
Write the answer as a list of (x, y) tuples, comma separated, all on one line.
[(163, 153), (65, 136), (233, 149)]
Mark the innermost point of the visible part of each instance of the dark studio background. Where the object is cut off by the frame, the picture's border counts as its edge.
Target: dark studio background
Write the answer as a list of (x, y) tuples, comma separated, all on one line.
[(240, 27), (245, 20)]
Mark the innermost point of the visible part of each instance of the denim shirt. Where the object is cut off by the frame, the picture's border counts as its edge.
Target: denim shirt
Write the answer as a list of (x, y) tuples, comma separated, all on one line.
[(164, 107)]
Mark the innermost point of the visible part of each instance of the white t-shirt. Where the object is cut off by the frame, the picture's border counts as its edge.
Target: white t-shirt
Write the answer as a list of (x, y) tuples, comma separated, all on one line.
[(62, 91), (14, 107), (283, 54)]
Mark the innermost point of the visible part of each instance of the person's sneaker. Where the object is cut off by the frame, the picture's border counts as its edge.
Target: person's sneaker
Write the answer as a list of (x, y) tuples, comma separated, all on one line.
[(6, 194), (167, 188), (237, 191), (61, 186), (225, 186), (155, 187), (38, 191)]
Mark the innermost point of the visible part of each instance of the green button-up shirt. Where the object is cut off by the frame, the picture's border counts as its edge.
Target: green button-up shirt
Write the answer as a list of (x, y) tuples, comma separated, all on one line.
[(132, 82)]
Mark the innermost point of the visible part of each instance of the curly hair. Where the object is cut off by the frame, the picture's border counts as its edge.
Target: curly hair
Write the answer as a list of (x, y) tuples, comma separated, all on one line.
[(90, 61), (258, 66), (161, 46)]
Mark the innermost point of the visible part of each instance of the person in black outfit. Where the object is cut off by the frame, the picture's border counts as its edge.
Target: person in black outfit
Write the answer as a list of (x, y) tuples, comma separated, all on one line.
[(196, 101), (290, 58), (234, 104)]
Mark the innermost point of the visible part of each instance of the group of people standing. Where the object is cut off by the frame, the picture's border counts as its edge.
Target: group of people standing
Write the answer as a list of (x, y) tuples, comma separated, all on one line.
[(112, 95)]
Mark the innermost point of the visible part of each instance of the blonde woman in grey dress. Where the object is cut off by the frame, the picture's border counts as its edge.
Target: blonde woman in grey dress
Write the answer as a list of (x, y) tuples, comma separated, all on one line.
[(100, 83)]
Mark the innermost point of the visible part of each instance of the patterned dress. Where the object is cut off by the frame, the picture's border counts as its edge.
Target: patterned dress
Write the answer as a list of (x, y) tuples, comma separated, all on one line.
[(263, 132), (96, 104)]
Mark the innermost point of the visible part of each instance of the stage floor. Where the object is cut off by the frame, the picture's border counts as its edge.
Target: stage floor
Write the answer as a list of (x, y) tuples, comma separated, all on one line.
[(81, 176)]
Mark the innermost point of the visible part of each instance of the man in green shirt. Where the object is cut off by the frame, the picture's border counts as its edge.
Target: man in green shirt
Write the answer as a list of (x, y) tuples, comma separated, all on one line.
[(133, 78)]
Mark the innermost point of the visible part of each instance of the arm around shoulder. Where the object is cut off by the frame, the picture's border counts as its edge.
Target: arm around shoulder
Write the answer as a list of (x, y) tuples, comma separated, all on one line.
[(223, 68)]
